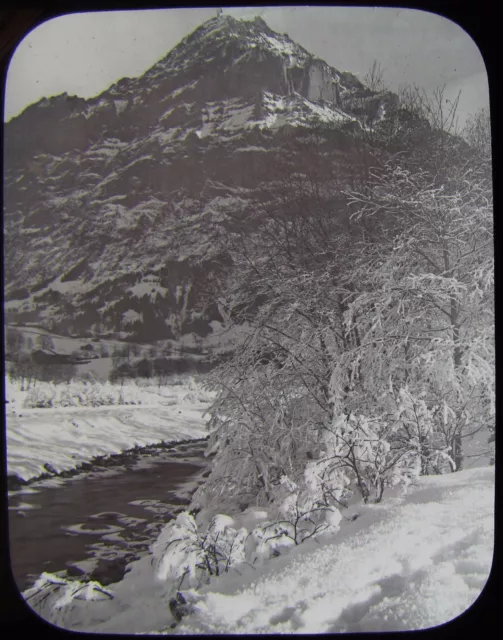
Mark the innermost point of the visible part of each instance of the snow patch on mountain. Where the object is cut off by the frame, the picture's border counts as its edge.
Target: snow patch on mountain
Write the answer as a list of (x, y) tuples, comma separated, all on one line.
[(185, 87), (72, 287), (130, 317), (120, 106), (148, 287)]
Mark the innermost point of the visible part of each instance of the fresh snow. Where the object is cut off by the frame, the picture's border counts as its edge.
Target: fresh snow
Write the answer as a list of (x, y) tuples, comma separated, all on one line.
[(412, 562), (296, 111), (283, 47), (71, 286), (120, 106), (252, 148), (327, 114), (166, 115), (67, 436), (232, 116)]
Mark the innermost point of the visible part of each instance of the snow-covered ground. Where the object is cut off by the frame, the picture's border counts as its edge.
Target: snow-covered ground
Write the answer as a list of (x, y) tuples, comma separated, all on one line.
[(67, 436), (412, 562)]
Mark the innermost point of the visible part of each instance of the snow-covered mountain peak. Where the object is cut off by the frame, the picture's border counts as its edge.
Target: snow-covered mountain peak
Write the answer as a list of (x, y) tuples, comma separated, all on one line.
[(221, 36), (137, 181), (227, 42)]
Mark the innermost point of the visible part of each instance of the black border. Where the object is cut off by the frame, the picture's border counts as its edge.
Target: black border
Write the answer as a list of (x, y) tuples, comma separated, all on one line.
[(479, 20)]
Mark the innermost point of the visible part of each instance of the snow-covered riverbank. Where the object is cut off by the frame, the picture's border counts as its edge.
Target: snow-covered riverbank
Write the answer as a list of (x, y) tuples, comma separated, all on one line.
[(411, 562), (94, 523), (62, 438)]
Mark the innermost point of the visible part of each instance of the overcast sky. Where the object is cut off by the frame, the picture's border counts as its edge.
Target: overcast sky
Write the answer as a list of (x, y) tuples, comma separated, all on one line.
[(83, 54)]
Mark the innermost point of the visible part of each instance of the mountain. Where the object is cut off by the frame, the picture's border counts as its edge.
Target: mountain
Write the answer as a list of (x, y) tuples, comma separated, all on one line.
[(114, 206)]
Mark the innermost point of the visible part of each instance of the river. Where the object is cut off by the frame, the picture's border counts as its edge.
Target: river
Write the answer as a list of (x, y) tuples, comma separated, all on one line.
[(96, 523)]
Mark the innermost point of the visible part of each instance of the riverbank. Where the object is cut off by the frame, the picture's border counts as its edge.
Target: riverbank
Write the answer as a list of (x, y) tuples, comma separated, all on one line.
[(412, 562), (70, 466), (48, 442), (94, 524), (98, 463)]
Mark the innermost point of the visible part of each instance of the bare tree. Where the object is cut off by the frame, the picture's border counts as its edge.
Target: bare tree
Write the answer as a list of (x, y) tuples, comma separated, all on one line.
[(374, 78), (435, 107), (477, 132)]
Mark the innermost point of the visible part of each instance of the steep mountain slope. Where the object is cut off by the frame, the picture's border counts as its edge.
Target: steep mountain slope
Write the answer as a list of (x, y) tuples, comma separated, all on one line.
[(114, 205)]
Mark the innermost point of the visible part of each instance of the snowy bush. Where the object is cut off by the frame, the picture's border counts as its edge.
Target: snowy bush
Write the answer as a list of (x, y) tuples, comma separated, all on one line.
[(384, 451), (40, 397), (51, 593), (300, 511), (99, 395), (89, 394), (192, 555), (67, 397), (80, 394), (420, 424), (268, 541), (93, 393)]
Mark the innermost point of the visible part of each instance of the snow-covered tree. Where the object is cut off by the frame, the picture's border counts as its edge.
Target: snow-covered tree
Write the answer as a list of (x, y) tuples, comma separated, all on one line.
[(365, 309), (424, 307), (187, 553), (274, 391)]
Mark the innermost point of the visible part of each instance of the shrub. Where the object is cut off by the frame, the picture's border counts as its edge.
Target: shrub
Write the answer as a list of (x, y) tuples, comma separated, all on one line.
[(40, 397), (186, 553)]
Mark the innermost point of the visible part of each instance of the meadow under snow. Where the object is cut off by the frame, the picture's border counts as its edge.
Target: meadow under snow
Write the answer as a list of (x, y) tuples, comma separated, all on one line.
[(64, 425)]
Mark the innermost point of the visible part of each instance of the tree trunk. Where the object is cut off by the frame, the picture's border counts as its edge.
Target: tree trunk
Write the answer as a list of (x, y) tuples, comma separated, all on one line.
[(457, 451), (425, 453), (457, 447)]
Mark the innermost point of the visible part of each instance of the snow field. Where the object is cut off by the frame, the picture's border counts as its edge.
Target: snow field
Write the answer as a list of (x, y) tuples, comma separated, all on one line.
[(67, 436), (412, 562)]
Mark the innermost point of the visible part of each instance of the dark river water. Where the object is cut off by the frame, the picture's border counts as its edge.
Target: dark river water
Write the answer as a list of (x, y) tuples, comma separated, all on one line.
[(96, 523)]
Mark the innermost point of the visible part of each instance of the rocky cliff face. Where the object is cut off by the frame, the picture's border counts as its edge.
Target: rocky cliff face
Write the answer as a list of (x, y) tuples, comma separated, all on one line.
[(114, 204)]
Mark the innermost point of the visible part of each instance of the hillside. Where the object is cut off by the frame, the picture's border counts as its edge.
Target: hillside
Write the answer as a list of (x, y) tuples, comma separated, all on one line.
[(115, 205)]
